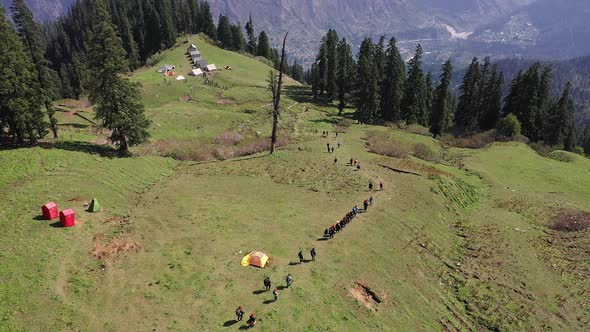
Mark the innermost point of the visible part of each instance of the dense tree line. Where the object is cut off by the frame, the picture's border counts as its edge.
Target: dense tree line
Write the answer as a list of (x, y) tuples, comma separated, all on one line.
[(384, 88)]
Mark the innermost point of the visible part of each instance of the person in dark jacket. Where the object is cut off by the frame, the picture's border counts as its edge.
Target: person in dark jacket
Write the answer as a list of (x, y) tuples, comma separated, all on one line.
[(239, 313), (300, 254), (289, 280), (313, 254), (251, 321), (267, 283)]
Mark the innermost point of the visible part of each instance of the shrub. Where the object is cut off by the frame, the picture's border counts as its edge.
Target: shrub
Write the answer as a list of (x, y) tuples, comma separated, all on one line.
[(228, 138), (382, 144), (424, 152), (419, 130), (154, 59), (561, 156), (579, 150), (509, 126), (475, 141), (571, 222)]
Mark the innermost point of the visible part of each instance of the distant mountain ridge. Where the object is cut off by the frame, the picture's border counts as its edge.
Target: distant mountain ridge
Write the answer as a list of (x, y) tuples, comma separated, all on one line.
[(457, 29)]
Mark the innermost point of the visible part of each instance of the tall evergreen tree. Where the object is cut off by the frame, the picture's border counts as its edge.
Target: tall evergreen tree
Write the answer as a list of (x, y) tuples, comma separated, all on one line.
[(492, 103), (393, 83), (561, 121), (239, 43), (32, 38), (345, 74), (428, 96), (442, 106), (366, 89), (414, 100), (264, 48), (117, 101), (468, 111), (252, 46), (380, 58), (153, 37), (206, 24), (332, 63), (322, 67), (224, 33), (20, 96), (167, 22)]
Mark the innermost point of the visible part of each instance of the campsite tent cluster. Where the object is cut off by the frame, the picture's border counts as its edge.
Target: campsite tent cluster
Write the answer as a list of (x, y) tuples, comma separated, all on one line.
[(198, 61)]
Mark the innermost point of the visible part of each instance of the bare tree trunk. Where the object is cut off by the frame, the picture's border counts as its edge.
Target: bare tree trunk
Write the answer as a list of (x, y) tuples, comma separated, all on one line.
[(277, 100)]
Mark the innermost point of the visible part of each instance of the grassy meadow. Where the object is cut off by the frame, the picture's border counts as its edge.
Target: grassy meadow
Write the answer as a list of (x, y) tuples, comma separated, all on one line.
[(458, 239)]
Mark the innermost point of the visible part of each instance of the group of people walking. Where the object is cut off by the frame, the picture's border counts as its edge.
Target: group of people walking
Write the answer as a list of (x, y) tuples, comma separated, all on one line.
[(337, 227)]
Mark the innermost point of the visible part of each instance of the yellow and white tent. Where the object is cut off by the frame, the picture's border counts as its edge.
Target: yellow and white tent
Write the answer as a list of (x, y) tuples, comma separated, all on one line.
[(255, 258)]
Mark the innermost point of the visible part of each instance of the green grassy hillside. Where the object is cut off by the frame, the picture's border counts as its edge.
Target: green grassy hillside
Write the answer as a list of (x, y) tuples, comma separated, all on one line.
[(458, 240)]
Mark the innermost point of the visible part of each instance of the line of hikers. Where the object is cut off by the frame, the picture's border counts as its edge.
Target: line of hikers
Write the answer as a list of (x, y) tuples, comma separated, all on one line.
[(349, 217)]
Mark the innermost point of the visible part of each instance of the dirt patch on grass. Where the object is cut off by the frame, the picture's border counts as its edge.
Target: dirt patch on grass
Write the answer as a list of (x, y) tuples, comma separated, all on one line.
[(112, 248), (113, 219), (571, 221), (225, 101), (366, 296)]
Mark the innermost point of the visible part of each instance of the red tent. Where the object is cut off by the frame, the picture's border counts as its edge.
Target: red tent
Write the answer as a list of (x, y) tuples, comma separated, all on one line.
[(50, 211), (67, 218)]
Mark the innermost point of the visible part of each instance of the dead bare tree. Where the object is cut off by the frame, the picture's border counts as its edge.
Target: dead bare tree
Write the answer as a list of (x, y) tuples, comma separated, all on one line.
[(276, 88)]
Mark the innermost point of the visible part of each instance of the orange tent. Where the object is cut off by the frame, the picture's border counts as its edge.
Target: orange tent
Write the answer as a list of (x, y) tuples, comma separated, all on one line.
[(255, 258)]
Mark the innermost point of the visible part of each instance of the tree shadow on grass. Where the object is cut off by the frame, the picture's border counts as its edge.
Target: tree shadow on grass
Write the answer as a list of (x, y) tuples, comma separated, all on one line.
[(230, 323), (86, 147)]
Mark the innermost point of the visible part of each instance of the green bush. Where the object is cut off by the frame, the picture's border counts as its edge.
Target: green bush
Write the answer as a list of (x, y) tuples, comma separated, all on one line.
[(579, 150), (509, 126)]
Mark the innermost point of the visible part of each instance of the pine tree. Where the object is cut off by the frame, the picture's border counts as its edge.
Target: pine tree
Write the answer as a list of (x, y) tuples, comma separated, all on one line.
[(224, 33), (428, 96), (117, 101), (380, 58), (345, 74), (414, 102), (442, 111), (332, 63), (366, 89), (239, 43), (393, 84), (492, 103), (252, 44), (152, 23), (322, 66), (206, 20), (468, 111), (21, 98), (264, 48), (561, 120), (167, 25), (32, 38)]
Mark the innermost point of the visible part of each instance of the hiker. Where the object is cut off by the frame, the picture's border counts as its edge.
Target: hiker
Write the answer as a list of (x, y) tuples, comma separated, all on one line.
[(380, 185), (328, 145), (339, 145), (327, 233), (300, 254), (351, 161), (366, 204), (251, 321), (358, 166), (275, 293), (267, 283), (356, 162), (289, 280), (331, 233), (355, 209), (335, 161), (371, 200), (336, 134), (313, 254), (370, 185), (239, 314)]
